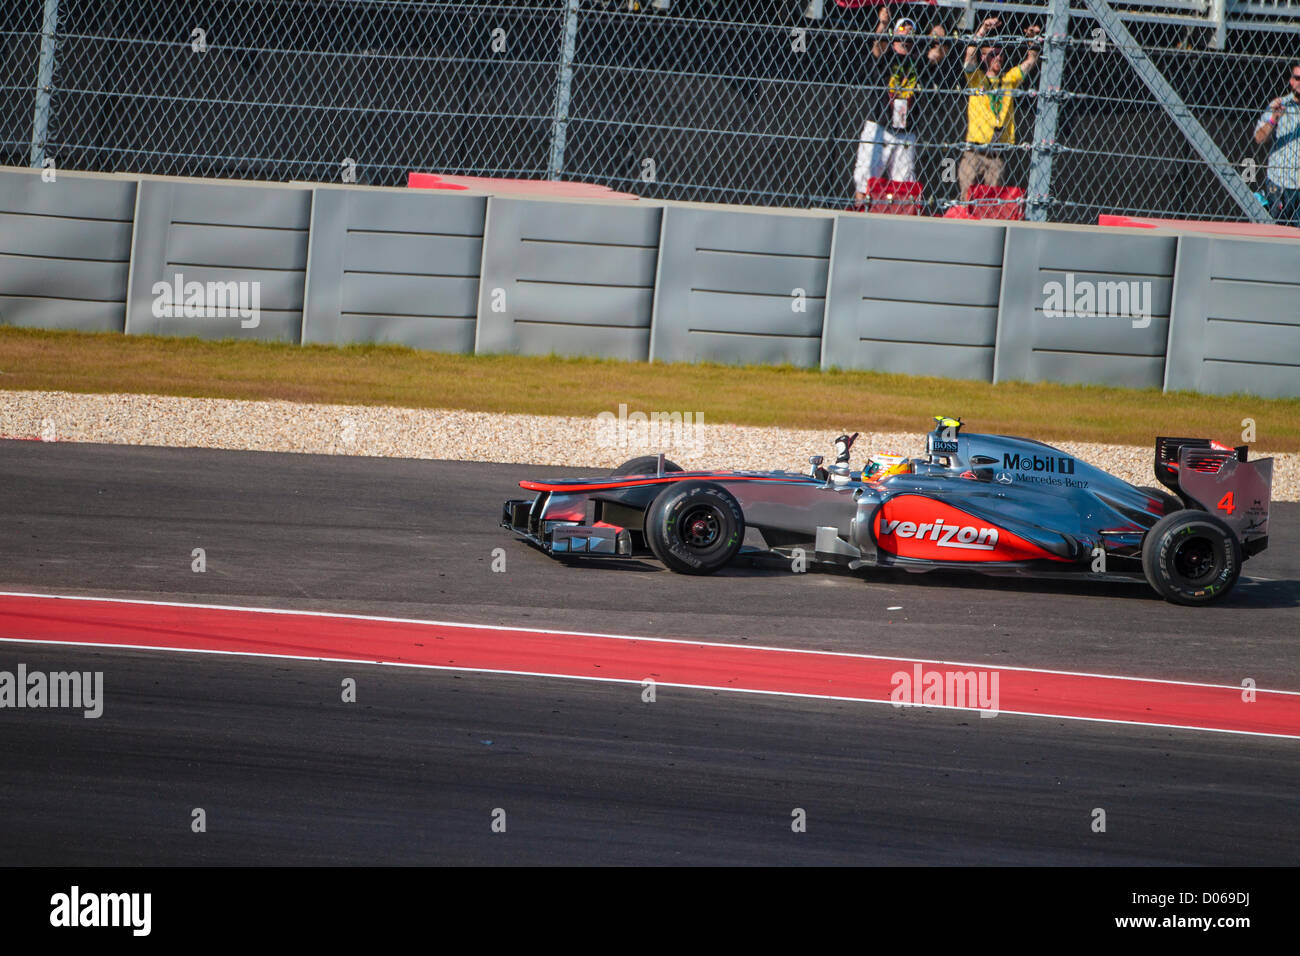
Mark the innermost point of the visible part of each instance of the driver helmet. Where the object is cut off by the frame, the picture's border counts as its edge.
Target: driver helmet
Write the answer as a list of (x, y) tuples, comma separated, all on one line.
[(880, 467)]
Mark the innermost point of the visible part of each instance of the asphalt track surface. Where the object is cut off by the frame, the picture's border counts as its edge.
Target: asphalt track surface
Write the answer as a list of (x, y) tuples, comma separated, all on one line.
[(587, 772)]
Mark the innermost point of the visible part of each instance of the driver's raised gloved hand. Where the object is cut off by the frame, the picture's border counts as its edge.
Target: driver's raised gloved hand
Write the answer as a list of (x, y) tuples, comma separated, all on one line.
[(842, 446)]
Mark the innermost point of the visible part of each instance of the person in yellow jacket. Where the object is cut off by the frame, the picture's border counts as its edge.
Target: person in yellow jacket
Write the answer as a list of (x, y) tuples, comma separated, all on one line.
[(990, 107)]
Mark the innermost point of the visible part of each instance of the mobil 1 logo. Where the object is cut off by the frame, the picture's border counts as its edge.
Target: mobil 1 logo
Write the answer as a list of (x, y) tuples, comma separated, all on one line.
[(1042, 469), (1052, 464)]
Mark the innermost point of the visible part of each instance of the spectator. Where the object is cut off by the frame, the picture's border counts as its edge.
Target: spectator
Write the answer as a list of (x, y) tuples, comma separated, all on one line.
[(990, 108), (1281, 121), (898, 73)]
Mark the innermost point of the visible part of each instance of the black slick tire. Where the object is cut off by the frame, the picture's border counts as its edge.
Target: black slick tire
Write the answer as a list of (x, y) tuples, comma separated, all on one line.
[(695, 527), (1191, 557), (645, 465)]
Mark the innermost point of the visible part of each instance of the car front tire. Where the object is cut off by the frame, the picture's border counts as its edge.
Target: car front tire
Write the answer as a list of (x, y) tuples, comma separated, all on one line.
[(695, 528)]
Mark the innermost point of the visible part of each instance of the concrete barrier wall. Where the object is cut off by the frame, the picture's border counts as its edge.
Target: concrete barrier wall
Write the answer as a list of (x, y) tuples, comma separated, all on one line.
[(1060, 292), (914, 296), (397, 267), (573, 278), (462, 272), (65, 250), (1237, 317), (741, 287), (188, 231)]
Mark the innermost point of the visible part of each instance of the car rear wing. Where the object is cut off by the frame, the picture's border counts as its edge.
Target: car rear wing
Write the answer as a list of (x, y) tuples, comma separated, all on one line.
[(1220, 480)]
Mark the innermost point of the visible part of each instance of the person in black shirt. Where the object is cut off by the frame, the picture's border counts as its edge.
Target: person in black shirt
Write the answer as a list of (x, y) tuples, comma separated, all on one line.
[(898, 76)]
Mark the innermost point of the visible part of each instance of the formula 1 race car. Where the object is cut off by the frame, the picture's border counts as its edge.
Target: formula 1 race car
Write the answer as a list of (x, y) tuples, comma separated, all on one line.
[(990, 503)]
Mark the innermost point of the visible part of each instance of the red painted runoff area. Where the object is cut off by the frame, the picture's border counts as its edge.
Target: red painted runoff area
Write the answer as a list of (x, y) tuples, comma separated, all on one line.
[(685, 663)]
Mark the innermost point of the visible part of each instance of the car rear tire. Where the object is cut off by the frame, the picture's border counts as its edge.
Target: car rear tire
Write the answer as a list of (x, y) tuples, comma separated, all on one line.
[(695, 528), (1191, 557), (645, 465)]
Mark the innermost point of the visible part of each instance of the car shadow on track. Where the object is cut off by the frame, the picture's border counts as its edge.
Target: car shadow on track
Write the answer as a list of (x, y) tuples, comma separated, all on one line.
[(1249, 592), (1264, 593), (620, 564), (1257, 594)]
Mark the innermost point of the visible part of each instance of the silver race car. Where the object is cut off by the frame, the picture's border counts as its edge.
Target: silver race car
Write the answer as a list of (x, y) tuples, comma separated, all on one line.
[(990, 503)]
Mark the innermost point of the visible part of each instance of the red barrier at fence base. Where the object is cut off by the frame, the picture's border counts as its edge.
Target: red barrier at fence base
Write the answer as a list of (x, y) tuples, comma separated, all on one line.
[(893, 196), (526, 187), (996, 202), (1202, 225)]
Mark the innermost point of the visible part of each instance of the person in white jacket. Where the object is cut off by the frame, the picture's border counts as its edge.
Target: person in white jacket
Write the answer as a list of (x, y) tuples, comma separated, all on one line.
[(897, 74)]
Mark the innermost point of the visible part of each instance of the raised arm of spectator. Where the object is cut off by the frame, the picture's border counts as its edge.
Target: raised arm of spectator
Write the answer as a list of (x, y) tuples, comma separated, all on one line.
[(1035, 50), (1268, 122), (883, 31), (971, 63)]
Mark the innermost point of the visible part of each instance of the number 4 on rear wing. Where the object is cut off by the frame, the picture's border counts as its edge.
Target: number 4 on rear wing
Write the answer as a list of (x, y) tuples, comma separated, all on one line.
[(1213, 477)]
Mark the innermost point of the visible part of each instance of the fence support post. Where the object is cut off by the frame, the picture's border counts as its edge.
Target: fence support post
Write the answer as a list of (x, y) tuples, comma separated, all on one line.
[(1219, 17), (563, 92), (1056, 45), (44, 83), (1178, 111)]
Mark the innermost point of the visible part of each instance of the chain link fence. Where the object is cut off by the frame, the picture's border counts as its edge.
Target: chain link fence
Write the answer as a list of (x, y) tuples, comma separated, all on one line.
[(1147, 107)]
